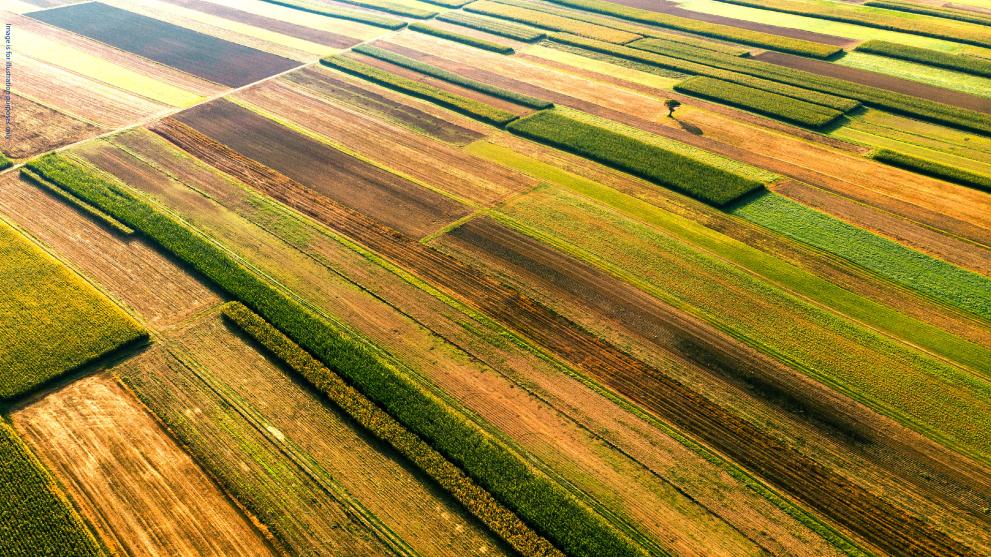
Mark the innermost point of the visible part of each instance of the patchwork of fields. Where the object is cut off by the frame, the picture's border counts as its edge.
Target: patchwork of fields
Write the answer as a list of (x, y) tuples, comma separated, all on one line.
[(496, 277)]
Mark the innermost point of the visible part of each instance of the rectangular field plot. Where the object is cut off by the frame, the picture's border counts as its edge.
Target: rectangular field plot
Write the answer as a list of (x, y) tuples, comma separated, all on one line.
[(196, 53), (53, 321), (137, 486)]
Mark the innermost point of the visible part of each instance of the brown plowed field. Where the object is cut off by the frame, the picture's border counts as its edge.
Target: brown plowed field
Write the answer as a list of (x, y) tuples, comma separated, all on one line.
[(159, 291), (667, 492), (142, 492), (420, 116), (318, 36), (950, 248), (874, 79), (399, 203), (36, 129), (845, 502), (60, 89), (432, 162)]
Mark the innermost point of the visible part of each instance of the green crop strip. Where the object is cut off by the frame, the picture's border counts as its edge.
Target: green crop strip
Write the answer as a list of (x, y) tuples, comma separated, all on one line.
[(694, 62), (935, 169), (463, 39), (664, 162), (911, 269), (451, 77), (464, 105), (393, 8), (493, 26), (340, 13), (959, 62), (715, 30), (943, 12), (35, 517), (761, 102), (90, 210), (545, 505), (54, 321), (549, 21), (858, 15), (383, 426), (5, 162)]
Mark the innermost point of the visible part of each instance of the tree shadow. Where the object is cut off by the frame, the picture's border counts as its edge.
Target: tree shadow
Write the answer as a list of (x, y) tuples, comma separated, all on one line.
[(689, 127)]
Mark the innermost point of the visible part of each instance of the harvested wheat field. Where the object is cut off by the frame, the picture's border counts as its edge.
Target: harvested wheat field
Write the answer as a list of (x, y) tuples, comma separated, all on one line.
[(544, 278)]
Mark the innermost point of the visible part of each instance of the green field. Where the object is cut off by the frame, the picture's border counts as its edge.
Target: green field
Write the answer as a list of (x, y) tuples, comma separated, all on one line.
[(62, 322)]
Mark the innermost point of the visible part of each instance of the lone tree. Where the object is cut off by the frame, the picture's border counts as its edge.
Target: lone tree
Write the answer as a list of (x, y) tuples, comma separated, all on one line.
[(671, 105)]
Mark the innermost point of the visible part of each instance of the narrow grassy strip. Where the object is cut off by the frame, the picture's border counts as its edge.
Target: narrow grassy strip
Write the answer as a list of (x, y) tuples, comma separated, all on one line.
[(630, 27), (543, 504), (959, 62), (478, 501), (393, 8), (550, 21), (451, 77), (463, 39), (464, 105), (858, 15), (931, 277), (75, 201), (935, 169), (715, 30), (872, 96), (943, 12), (493, 26), (761, 102), (679, 171), (35, 517), (340, 13)]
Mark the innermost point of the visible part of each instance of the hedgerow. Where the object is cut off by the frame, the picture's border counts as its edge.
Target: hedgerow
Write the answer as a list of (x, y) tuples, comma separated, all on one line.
[(692, 175), (464, 105), (958, 62), (383, 426), (493, 26), (664, 47), (75, 201), (35, 517), (872, 96), (762, 102), (392, 8), (943, 12), (452, 77), (860, 16), (935, 169), (550, 21), (716, 30), (341, 13), (53, 321), (550, 510), (464, 39), (638, 29)]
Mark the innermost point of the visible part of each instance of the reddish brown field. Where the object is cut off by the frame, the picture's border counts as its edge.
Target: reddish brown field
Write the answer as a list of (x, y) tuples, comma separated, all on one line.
[(36, 129), (156, 289), (431, 162), (143, 493), (394, 201)]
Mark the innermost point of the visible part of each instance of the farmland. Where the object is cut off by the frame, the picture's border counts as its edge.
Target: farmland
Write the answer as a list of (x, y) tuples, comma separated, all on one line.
[(543, 278)]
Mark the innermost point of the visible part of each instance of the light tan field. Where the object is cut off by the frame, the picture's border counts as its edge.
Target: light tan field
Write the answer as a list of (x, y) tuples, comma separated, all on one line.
[(142, 492)]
